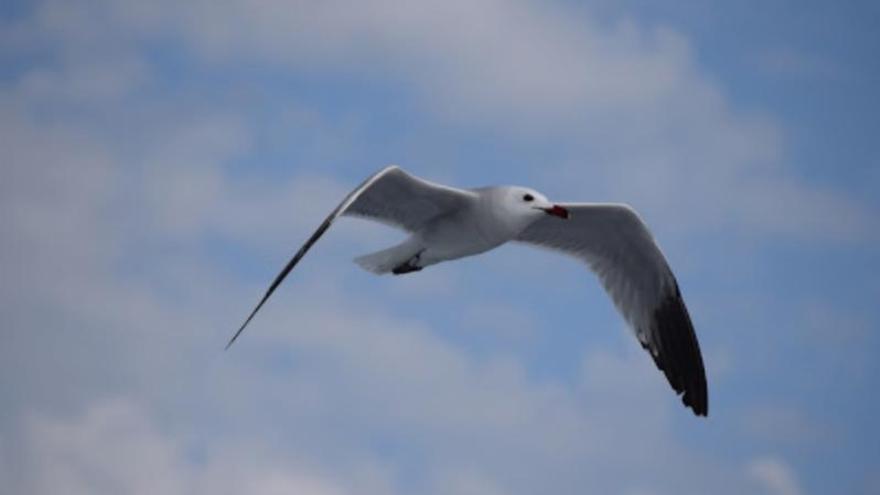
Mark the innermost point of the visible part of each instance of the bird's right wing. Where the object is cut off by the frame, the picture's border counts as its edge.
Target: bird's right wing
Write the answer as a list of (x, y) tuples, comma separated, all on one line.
[(617, 246), (390, 196)]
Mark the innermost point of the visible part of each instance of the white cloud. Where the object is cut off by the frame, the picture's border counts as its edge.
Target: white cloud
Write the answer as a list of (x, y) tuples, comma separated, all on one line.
[(785, 426), (56, 182), (638, 119), (499, 321), (111, 450), (775, 476), (108, 241), (115, 448), (322, 393), (89, 82)]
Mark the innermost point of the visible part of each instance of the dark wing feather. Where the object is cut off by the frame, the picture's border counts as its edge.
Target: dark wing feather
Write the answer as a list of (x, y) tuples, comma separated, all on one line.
[(618, 247), (391, 196)]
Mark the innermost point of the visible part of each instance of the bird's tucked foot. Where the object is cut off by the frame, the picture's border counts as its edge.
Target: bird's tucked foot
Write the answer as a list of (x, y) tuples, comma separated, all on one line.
[(410, 266)]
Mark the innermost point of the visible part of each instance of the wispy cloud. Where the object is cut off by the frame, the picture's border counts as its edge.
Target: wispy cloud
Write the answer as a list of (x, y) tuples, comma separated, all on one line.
[(629, 99), (636, 115), (775, 476), (114, 447)]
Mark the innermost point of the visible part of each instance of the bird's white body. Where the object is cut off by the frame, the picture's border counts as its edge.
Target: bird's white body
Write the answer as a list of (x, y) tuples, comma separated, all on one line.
[(447, 223), (489, 217)]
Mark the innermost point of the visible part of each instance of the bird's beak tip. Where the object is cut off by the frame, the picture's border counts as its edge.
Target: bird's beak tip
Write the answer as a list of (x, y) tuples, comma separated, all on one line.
[(557, 211)]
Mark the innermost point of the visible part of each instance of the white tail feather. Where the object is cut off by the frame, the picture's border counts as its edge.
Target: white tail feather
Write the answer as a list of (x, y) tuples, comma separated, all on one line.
[(386, 260)]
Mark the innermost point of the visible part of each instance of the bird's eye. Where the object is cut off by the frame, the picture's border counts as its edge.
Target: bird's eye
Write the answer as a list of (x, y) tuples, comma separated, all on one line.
[(528, 197)]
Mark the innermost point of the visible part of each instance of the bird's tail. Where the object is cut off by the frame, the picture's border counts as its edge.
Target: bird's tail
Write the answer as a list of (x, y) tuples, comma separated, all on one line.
[(384, 261)]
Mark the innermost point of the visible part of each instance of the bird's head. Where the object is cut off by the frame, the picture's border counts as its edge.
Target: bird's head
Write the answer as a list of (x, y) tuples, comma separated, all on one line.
[(530, 203)]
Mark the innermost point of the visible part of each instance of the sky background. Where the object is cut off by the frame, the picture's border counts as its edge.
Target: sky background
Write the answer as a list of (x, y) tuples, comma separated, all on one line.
[(161, 162)]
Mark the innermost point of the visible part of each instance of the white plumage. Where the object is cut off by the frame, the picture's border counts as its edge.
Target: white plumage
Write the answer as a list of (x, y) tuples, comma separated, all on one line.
[(447, 223)]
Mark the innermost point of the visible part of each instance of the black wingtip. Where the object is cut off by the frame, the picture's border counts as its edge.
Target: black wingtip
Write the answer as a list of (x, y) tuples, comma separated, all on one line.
[(699, 407), (311, 241), (240, 329), (229, 344), (260, 305), (678, 353)]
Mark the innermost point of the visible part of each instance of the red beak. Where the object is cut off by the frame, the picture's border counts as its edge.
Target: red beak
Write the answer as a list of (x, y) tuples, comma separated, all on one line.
[(557, 211)]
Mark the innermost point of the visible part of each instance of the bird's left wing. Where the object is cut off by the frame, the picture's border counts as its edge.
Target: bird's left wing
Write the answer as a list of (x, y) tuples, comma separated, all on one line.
[(618, 247), (391, 196)]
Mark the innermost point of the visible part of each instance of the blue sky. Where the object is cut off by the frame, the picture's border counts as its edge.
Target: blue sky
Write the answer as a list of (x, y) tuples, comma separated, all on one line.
[(162, 162)]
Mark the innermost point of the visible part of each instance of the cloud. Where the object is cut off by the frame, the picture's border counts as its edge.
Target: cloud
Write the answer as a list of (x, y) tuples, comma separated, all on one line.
[(114, 447), (56, 182), (511, 62), (117, 238), (353, 394), (90, 82), (500, 322), (629, 111), (111, 450), (784, 426), (775, 476)]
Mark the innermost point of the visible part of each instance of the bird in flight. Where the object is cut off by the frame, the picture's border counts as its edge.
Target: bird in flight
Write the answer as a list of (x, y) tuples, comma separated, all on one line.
[(447, 223)]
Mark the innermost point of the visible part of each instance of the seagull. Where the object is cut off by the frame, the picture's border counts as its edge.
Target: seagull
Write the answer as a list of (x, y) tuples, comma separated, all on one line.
[(447, 223)]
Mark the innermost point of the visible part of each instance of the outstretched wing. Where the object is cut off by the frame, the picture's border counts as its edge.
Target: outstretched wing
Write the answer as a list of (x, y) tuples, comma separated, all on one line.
[(391, 196), (618, 247), (401, 200)]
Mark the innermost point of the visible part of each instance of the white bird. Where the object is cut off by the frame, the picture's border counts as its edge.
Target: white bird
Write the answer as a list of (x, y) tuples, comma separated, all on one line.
[(447, 223)]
